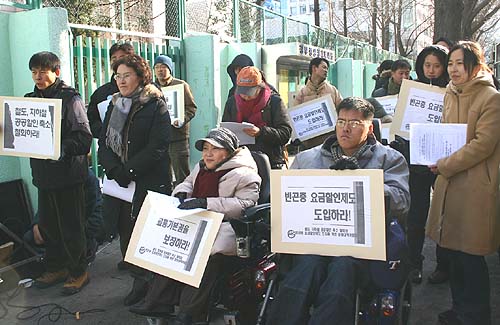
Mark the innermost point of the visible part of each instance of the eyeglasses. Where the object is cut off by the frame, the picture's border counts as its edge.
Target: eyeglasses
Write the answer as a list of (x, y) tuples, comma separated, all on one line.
[(123, 76), (352, 123)]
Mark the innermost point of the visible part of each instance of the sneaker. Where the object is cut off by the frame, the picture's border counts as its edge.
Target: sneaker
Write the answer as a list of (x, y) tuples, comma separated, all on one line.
[(75, 284), (438, 277), (48, 279)]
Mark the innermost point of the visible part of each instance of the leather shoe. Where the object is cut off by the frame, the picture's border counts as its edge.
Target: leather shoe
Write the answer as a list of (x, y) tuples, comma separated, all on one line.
[(415, 276), (138, 292), (151, 309), (449, 317), (438, 277)]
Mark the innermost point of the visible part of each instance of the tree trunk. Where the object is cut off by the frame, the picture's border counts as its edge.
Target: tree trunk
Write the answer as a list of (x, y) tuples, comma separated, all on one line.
[(448, 19), (374, 22)]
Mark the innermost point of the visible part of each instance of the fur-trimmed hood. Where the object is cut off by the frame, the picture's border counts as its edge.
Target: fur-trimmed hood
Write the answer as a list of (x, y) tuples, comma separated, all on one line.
[(148, 93)]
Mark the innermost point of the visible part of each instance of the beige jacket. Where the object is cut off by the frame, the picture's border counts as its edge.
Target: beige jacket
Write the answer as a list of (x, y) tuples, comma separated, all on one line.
[(465, 211), (238, 190)]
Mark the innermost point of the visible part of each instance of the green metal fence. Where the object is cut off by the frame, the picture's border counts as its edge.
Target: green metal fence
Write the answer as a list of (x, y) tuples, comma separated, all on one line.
[(22, 4)]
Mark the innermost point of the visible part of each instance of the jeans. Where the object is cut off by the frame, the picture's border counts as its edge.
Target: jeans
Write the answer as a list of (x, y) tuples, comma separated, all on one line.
[(329, 284), (470, 287)]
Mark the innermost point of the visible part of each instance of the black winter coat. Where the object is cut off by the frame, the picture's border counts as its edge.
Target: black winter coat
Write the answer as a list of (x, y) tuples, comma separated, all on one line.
[(274, 136), (147, 161), (72, 167), (101, 94)]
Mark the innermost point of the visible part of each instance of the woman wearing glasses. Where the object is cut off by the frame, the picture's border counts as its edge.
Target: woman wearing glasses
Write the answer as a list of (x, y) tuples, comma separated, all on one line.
[(133, 146)]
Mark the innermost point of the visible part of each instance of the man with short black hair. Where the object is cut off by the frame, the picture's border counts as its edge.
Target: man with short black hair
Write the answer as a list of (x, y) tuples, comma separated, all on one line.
[(317, 86), (400, 70), (178, 149), (328, 283), (61, 197)]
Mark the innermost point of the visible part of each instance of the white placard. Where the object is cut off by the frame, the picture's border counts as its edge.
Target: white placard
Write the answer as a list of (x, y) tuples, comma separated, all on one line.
[(389, 103), (172, 242), (30, 127), (313, 118), (174, 97), (328, 212), (102, 107), (431, 142), (112, 188), (237, 129), (417, 103)]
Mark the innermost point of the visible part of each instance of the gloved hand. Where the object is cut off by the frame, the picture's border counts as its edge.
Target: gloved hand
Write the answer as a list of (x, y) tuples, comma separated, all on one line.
[(344, 164), (120, 175), (401, 145), (181, 196), (193, 204)]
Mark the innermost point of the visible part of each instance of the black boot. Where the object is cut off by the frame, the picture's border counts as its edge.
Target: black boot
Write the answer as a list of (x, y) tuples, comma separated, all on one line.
[(138, 292), (151, 309)]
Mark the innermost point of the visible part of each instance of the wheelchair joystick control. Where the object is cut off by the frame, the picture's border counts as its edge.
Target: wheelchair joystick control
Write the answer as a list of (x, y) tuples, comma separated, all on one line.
[(243, 247)]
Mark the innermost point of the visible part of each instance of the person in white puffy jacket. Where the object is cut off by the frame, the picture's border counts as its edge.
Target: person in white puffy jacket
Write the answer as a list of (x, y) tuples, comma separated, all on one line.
[(226, 180)]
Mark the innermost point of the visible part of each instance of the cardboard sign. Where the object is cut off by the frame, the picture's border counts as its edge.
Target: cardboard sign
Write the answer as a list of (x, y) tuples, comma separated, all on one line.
[(174, 97), (172, 242), (30, 127), (417, 103), (313, 118), (328, 212), (389, 103)]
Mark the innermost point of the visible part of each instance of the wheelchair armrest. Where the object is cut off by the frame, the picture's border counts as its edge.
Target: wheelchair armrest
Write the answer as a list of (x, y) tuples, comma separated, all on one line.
[(253, 213)]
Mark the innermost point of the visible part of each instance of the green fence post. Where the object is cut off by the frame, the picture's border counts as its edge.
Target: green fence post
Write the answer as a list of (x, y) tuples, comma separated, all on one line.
[(98, 63), (79, 65), (90, 69)]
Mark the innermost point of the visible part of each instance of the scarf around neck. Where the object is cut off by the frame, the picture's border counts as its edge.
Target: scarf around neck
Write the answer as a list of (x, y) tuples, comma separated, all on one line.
[(393, 88), (119, 116), (250, 111), (339, 156)]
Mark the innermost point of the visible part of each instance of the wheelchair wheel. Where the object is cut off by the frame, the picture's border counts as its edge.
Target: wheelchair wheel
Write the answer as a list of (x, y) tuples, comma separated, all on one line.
[(404, 306)]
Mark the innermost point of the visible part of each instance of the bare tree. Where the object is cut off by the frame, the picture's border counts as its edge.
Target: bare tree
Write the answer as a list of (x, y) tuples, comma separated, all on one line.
[(464, 19)]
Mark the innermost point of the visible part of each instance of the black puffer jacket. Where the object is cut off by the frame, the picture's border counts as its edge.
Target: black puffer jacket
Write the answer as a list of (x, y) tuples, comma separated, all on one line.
[(146, 162), (72, 166), (441, 53), (275, 135), (101, 94)]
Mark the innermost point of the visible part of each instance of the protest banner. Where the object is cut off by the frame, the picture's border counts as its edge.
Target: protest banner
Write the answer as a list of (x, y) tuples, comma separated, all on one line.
[(171, 242), (30, 127), (389, 103), (328, 212), (313, 118), (417, 103), (174, 97), (431, 142)]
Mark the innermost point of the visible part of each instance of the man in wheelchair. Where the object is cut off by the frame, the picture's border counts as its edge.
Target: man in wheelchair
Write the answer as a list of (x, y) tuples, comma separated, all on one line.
[(329, 284)]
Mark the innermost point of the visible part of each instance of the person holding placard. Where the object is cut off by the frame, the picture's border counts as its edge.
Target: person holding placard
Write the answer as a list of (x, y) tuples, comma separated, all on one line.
[(61, 196), (316, 87), (430, 67), (400, 70), (133, 146), (464, 217), (225, 181), (255, 102), (178, 150), (329, 284)]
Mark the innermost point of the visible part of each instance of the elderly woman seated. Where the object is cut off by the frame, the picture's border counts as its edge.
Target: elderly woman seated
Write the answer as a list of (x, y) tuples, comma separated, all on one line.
[(224, 181)]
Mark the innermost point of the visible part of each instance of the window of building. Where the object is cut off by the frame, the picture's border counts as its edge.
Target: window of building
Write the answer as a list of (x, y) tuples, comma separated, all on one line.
[(293, 11), (303, 9)]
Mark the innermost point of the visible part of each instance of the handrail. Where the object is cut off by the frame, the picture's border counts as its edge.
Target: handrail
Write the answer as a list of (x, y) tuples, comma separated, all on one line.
[(124, 32)]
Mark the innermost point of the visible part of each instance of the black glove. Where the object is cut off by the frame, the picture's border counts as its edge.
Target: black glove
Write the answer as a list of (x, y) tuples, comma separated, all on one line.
[(181, 196), (193, 204), (120, 175), (401, 145), (344, 164)]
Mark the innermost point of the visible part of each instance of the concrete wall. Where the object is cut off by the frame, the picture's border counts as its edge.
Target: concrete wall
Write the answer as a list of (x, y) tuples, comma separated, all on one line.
[(22, 34)]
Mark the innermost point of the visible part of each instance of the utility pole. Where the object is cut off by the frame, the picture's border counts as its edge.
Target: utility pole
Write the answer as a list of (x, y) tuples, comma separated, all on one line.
[(316, 13)]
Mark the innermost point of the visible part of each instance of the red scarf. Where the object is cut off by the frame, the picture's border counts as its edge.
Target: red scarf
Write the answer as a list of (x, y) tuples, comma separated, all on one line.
[(207, 183), (251, 110)]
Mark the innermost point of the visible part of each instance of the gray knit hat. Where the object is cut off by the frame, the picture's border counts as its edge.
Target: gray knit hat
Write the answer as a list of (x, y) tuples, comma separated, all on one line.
[(163, 59), (219, 138)]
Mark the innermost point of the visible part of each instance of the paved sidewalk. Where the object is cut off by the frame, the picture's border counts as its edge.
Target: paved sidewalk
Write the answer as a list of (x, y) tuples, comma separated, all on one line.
[(108, 286)]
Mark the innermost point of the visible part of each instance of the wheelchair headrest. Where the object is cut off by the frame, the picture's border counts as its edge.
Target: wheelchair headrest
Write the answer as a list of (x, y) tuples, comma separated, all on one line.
[(377, 129), (264, 169)]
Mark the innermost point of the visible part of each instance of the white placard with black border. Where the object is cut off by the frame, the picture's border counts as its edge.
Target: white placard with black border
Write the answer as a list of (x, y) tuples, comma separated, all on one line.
[(30, 127), (417, 103), (174, 97), (171, 242), (328, 212), (313, 118)]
